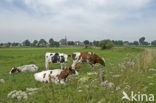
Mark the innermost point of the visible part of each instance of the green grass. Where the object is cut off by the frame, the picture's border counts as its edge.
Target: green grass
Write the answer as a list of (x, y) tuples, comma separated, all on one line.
[(69, 92)]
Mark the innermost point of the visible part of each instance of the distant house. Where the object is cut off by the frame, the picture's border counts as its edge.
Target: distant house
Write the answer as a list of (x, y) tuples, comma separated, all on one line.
[(78, 43), (126, 43)]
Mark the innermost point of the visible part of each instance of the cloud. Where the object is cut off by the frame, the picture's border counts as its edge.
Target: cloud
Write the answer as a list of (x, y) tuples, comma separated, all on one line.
[(79, 20)]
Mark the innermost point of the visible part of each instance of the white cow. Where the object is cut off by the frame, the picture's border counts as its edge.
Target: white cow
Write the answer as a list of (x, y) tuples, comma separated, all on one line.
[(24, 68), (56, 58), (56, 76)]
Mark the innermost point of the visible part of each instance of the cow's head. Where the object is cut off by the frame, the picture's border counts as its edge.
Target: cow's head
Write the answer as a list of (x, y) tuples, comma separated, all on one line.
[(62, 59), (72, 72), (101, 61), (14, 70), (65, 73)]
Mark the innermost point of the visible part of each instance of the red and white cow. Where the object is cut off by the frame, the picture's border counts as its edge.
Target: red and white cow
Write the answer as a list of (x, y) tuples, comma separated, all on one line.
[(86, 57), (24, 68), (56, 76)]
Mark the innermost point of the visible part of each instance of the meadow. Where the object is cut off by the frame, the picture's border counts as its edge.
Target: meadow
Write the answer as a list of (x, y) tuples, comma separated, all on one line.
[(85, 87)]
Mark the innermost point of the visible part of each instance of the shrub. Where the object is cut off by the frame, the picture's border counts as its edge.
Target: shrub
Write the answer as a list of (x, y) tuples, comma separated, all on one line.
[(106, 44)]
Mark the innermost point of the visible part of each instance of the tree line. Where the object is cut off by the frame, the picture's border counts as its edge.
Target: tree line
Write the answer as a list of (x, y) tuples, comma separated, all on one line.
[(104, 44), (140, 42), (35, 43)]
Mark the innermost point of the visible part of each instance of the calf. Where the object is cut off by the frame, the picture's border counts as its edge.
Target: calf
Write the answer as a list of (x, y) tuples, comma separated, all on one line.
[(56, 58), (86, 57), (56, 76), (24, 68)]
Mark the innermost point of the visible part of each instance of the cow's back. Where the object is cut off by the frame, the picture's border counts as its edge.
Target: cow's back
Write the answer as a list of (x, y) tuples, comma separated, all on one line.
[(45, 76)]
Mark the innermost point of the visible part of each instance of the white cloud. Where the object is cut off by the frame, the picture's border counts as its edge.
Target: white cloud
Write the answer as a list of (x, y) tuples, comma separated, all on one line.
[(83, 19)]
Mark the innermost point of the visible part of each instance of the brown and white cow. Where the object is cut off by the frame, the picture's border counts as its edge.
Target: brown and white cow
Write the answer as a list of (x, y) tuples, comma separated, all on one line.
[(86, 57), (56, 75), (24, 68)]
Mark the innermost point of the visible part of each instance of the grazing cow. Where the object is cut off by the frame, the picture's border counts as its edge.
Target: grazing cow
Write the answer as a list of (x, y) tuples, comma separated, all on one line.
[(56, 58), (56, 75), (24, 68), (86, 57)]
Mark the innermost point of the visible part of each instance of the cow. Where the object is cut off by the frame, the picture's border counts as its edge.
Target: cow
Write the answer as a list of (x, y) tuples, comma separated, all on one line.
[(24, 68), (56, 76), (56, 58), (86, 57)]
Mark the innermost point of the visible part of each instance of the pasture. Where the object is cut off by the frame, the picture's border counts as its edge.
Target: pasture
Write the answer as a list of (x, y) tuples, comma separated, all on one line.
[(83, 88)]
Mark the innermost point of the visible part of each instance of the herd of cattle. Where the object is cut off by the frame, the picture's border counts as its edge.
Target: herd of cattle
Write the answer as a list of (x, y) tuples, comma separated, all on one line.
[(60, 75)]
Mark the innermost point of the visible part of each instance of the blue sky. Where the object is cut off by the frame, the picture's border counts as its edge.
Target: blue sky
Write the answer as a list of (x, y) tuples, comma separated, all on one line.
[(79, 20)]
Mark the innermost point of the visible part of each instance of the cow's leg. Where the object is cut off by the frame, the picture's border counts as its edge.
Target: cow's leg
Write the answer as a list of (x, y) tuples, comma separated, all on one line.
[(92, 64), (74, 64), (47, 65), (46, 62), (61, 65), (65, 65)]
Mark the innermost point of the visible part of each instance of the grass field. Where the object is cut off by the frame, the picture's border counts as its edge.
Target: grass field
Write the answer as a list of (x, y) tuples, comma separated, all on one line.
[(137, 78)]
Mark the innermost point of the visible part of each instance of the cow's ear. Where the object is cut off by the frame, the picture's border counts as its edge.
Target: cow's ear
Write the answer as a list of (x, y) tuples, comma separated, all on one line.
[(70, 68)]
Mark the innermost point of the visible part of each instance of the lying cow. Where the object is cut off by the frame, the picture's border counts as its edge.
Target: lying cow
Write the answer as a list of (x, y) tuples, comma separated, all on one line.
[(86, 57), (56, 76), (56, 58), (24, 68)]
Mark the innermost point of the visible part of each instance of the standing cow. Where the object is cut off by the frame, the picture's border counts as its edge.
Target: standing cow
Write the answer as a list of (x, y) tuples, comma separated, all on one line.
[(86, 57), (56, 58)]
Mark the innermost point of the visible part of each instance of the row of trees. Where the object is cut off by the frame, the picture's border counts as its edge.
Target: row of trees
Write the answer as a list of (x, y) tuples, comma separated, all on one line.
[(104, 43), (140, 42), (41, 43), (35, 43)]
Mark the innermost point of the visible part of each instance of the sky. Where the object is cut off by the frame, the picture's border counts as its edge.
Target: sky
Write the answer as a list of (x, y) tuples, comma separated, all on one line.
[(81, 20)]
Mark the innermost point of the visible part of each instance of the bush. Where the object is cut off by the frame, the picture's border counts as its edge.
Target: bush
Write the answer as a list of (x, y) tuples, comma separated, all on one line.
[(153, 43), (106, 44)]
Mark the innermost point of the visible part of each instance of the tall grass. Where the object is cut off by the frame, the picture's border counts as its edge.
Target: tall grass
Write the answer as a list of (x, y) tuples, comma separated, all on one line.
[(145, 59)]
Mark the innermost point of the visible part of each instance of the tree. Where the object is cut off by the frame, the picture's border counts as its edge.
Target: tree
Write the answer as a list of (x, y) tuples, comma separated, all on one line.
[(86, 42), (26, 43), (146, 43), (118, 42), (71, 43), (153, 43), (96, 43), (15, 44), (91, 43), (35, 43), (136, 43), (142, 40), (51, 42), (1, 44), (56, 44), (42, 43), (106, 44)]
